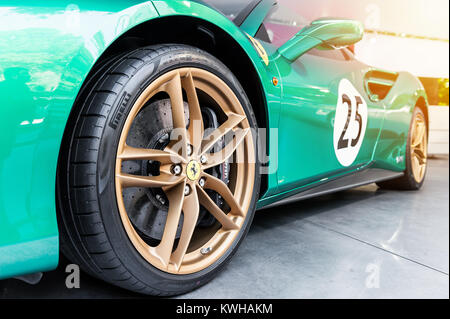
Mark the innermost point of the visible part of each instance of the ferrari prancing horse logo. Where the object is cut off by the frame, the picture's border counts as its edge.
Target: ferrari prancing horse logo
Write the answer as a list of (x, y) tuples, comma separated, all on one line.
[(193, 170)]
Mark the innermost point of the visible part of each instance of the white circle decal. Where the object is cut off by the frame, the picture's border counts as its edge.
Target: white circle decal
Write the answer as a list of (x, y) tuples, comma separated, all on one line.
[(350, 123)]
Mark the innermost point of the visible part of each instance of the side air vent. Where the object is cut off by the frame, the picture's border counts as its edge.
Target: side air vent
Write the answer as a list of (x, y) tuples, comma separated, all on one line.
[(379, 83)]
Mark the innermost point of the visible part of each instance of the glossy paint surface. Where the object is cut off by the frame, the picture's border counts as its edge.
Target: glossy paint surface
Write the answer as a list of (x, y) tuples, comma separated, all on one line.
[(400, 103), (46, 53), (332, 32), (308, 108)]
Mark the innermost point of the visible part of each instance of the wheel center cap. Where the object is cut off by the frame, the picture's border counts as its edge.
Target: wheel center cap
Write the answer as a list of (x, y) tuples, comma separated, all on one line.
[(193, 170)]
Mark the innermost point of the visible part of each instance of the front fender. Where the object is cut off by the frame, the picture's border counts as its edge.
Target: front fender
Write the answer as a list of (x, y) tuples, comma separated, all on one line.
[(46, 52)]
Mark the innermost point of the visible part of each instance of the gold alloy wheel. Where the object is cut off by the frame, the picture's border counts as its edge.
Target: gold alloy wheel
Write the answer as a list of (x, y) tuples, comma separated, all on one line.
[(185, 187), (419, 146)]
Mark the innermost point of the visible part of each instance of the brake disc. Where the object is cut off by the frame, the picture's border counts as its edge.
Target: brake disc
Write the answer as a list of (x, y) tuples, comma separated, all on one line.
[(147, 208)]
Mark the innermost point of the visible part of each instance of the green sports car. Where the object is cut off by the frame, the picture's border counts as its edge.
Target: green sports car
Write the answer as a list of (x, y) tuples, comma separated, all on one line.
[(139, 137)]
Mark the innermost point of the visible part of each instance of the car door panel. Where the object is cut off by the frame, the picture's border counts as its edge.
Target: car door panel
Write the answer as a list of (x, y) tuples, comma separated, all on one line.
[(306, 135)]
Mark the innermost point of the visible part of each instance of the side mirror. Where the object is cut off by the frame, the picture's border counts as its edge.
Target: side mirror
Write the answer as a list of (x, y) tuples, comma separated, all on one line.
[(328, 33)]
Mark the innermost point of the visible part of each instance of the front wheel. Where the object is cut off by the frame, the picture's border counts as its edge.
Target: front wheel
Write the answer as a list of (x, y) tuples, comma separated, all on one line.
[(159, 183)]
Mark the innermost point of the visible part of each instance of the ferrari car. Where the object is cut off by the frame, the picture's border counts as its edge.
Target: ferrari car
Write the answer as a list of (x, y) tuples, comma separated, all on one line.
[(140, 137)]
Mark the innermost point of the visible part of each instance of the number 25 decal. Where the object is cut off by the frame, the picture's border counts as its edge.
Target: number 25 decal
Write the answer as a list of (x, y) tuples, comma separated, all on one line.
[(349, 124), (343, 142)]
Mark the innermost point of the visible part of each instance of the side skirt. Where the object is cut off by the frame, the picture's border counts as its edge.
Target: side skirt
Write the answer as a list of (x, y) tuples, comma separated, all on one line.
[(359, 178)]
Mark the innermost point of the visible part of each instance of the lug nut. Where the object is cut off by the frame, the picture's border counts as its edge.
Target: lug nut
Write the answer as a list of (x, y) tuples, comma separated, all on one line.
[(203, 159), (163, 139), (187, 190), (176, 169), (189, 150), (205, 251), (160, 199), (202, 182)]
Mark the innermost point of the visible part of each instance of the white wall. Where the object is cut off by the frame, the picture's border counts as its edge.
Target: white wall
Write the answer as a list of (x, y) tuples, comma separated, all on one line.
[(439, 122), (424, 58)]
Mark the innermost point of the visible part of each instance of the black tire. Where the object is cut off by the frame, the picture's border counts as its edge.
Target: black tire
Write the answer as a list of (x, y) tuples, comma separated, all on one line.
[(92, 233), (407, 181)]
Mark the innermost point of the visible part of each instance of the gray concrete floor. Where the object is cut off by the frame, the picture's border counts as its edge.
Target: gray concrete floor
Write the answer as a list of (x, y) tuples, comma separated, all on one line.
[(361, 243)]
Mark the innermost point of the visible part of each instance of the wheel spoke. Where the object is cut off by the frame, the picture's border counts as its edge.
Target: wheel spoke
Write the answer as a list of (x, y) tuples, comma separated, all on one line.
[(165, 157), (419, 134), (214, 159), (422, 170), (164, 250), (191, 210), (196, 129), (421, 157), (220, 187), (232, 121), (166, 169), (175, 91), (163, 180), (221, 217)]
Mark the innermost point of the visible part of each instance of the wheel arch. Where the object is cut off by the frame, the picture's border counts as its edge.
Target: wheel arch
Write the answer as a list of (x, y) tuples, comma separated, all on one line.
[(223, 40), (202, 34)]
